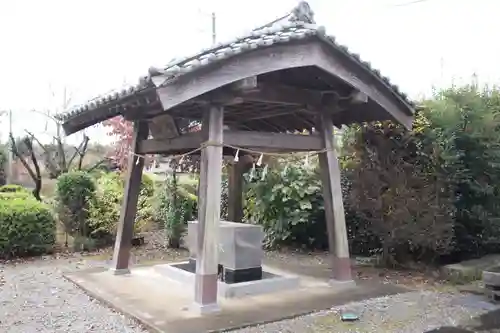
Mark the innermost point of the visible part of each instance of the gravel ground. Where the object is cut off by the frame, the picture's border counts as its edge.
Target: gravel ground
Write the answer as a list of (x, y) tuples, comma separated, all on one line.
[(419, 311), (34, 297)]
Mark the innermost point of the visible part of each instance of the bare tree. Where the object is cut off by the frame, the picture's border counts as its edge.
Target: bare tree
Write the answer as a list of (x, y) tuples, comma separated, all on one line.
[(33, 169), (58, 158), (55, 156)]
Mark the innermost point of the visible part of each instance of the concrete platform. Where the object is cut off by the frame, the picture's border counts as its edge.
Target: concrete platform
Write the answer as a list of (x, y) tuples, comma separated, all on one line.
[(272, 281), (164, 305)]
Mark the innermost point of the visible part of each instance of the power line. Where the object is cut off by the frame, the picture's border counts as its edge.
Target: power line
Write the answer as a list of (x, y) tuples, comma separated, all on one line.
[(408, 3)]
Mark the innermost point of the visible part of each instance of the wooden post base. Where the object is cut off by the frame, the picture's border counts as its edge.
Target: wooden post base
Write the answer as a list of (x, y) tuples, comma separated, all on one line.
[(201, 309), (341, 269), (123, 271), (206, 290)]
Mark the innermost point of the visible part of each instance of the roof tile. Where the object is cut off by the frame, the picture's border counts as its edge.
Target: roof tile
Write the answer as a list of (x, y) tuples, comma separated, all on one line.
[(279, 32)]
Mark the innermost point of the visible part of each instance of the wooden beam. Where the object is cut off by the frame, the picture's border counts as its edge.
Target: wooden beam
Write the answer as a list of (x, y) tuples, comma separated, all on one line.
[(280, 94), (207, 243), (262, 92), (274, 141), (163, 126), (125, 229), (191, 85), (186, 141), (334, 207), (309, 53), (240, 139), (359, 97), (242, 117), (140, 109), (367, 83), (246, 84)]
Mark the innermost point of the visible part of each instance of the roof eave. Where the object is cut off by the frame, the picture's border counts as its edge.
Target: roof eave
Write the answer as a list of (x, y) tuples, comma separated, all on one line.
[(89, 118), (102, 110), (406, 105)]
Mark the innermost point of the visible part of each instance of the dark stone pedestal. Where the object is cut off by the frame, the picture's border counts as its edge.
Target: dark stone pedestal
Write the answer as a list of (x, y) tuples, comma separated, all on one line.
[(242, 275), (233, 275)]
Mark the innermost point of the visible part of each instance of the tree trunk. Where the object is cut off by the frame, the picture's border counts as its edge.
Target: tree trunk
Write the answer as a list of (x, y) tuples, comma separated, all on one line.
[(37, 189), (174, 242)]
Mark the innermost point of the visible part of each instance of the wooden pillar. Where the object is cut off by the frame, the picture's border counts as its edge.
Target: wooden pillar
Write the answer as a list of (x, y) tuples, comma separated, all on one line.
[(125, 229), (235, 189), (334, 207), (207, 252)]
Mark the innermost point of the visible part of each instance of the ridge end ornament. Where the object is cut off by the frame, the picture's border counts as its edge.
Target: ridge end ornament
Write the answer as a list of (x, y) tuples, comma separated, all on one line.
[(303, 13)]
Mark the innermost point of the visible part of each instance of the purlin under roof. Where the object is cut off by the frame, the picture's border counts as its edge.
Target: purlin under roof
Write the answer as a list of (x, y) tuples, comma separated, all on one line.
[(297, 25)]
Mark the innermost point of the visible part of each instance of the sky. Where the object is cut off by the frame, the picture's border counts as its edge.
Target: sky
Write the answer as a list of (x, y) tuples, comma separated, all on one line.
[(88, 48)]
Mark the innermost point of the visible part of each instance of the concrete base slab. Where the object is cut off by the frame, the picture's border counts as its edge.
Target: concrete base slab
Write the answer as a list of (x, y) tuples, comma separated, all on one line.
[(272, 281), (119, 271), (163, 305), (342, 285), (491, 277), (204, 309)]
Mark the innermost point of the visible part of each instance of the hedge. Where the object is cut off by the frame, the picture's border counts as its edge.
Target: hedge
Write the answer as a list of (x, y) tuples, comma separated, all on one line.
[(74, 192), (104, 209), (12, 188), (27, 227), (15, 195)]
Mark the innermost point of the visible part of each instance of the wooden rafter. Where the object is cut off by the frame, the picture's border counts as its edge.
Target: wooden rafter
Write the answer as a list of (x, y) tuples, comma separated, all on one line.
[(240, 139)]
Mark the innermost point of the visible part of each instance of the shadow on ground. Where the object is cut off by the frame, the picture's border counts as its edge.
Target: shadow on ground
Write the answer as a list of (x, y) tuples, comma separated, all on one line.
[(485, 323), (449, 329)]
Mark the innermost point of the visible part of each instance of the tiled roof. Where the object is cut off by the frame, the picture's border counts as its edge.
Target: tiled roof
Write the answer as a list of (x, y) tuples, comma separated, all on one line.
[(298, 25)]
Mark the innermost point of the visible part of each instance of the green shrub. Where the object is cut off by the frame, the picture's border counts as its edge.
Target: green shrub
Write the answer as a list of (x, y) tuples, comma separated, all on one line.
[(12, 188), (104, 210), (428, 194), (74, 192), (432, 194), (27, 227), (15, 195), (465, 127), (288, 203), (147, 186), (173, 206), (3, 163)]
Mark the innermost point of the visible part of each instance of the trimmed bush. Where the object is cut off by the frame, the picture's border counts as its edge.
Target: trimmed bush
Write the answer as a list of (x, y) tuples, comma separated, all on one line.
[(173, 206), (104, 210), (3, 163), (15, 195), (27, 227), (74, 192), (12, 188)]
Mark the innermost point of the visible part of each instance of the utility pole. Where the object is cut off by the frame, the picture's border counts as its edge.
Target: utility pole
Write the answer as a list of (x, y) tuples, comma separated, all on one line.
[(10, 154), (214, 31), (441, 69), (213, 28), (66, 102)]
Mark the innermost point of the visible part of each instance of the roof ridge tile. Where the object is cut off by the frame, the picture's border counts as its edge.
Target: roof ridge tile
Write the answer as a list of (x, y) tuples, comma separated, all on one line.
[(299, 24)]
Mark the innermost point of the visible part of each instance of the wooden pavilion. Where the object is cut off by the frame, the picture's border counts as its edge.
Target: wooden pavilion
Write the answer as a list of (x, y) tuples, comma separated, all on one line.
[(254, 92)]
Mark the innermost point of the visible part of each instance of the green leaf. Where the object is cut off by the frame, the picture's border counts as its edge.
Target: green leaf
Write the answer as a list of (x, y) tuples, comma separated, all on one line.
[(305, 205)]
